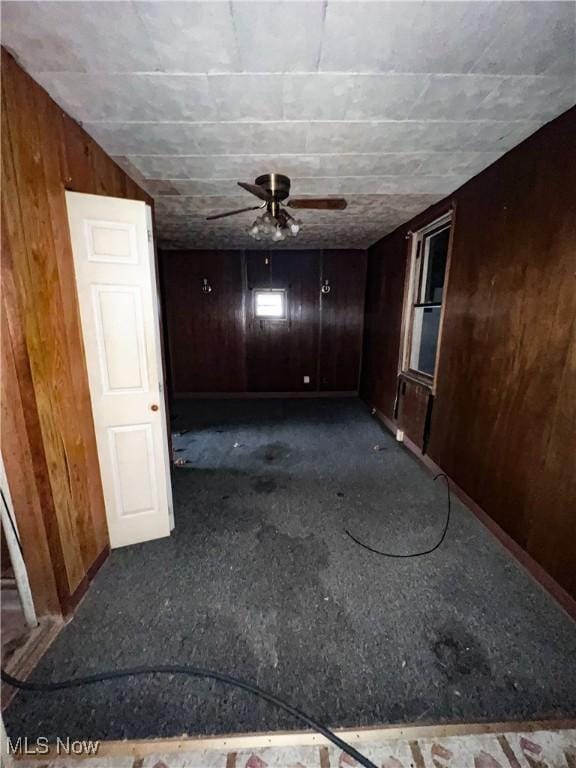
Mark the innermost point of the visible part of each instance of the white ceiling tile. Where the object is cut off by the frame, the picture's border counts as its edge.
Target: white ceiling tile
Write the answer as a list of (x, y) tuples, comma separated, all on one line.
[(279, 36), (453, 97), (529, 98), (387, 164), (487, 97), (172, 166), (191, 36), (361, 185), (191, 187), (385, 97), (530, 38), (351, 97), (77, 36), (344, 137), (199, 138), (125, 97), (414, 136), (404, 36), (303, 166), (251, 138), (248, 167), (148, 138), (456, 163), (420, 185), (317, 97), (449, 37), (247, 97)]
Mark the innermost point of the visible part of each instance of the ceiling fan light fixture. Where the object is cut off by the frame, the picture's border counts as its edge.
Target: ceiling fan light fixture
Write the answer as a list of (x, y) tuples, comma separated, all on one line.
[(276, 223), (275, 228), (278, 235), (295, 227)]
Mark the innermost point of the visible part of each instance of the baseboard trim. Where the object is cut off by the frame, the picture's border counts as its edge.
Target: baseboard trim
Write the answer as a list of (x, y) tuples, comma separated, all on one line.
[(536, 571), (139, 749), (71, 603), (259, 395)]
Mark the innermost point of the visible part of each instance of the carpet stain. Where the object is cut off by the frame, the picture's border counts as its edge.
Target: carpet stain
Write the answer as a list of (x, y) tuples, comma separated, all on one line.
[(458, 654), (293, 562), (294, 590), (273, 452), (265, 485)]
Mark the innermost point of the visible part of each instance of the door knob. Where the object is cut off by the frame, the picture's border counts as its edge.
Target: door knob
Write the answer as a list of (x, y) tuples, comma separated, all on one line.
[(154, 407)]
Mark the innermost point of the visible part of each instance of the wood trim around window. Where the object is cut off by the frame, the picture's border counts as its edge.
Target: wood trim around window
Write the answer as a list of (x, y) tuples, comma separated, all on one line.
[(413, 238)]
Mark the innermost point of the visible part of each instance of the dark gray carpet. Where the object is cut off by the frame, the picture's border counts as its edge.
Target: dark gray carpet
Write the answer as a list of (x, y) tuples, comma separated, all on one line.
[(259, 581)]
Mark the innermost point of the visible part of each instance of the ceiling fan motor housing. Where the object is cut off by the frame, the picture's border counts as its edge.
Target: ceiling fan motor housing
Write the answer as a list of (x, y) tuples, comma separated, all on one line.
[(277, 185)]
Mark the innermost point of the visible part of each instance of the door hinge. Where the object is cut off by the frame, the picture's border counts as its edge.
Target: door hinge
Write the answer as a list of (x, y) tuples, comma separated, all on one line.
[(149, 236)]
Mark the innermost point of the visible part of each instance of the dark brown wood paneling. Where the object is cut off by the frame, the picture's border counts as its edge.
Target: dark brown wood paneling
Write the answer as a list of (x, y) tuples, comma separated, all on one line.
[(43, 153), (341, 319), (504, 419), (383, 322), (216, 345), (280, 353), (205, 330)]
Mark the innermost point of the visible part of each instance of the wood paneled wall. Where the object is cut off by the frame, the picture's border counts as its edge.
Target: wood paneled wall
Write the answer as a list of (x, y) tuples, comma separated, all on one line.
[(47, 437), (504, 419), (386, 274), (216, 345), (280, 353)]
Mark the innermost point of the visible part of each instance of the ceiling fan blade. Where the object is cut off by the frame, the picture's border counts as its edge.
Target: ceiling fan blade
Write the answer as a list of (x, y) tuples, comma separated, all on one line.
[(256, 190), (233, 213), (319, 203)]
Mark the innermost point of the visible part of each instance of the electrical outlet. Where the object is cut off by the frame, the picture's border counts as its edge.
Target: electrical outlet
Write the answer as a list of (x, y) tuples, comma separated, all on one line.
[(306, 379)]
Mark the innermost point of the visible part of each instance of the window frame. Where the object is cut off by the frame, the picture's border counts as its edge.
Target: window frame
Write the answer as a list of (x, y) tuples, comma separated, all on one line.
[(414, 293), (270, 318)]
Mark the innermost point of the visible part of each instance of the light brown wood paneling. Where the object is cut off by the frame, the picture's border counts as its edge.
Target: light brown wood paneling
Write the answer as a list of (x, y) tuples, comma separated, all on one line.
[(504, 418), (26, 471), (44, 153)]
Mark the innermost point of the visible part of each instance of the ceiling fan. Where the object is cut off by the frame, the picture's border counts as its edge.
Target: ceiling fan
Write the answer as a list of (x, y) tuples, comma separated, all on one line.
[(277, 222)]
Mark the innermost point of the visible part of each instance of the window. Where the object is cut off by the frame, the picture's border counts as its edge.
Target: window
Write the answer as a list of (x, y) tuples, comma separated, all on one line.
[(270, 303), (429, 255)]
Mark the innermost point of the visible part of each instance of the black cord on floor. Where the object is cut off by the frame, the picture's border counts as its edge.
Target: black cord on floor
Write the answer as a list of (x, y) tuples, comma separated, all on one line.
[(413, 554), (191, 672)]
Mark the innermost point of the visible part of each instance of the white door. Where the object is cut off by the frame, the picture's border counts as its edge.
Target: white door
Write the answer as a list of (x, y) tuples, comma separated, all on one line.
[(117, 294)]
